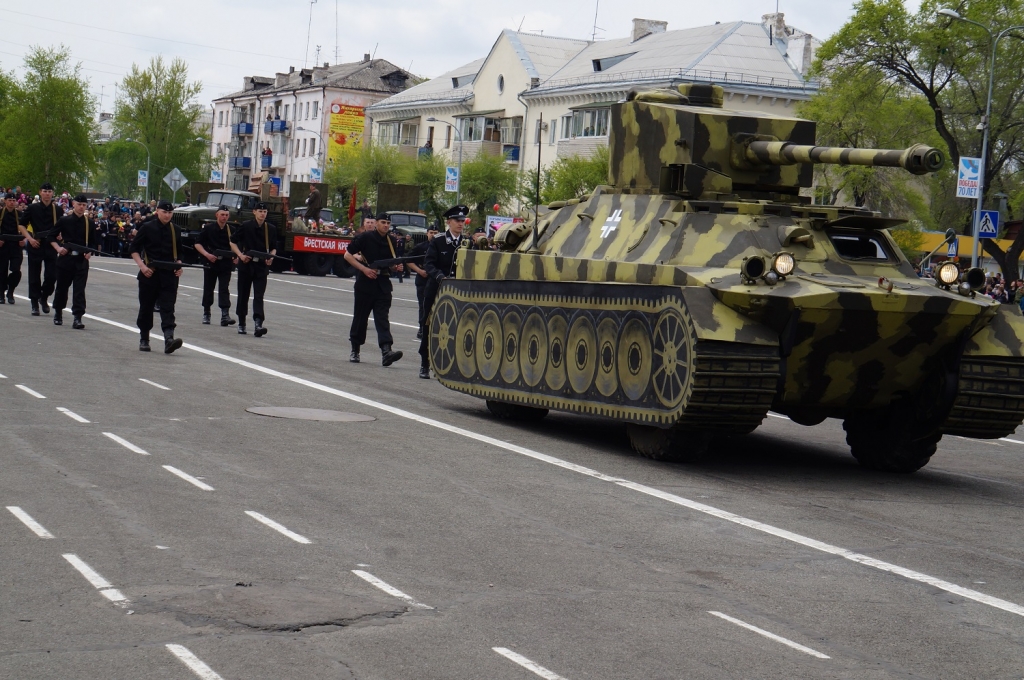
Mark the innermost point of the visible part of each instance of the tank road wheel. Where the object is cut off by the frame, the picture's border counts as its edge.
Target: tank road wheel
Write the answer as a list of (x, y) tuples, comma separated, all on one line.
[(511, 326), (488, 344), (888, 446), (507, 411), (465, 341), (558, 336), (673, 349), (634, 358), (671, 445), (533, 352), (442, 337), (607, 379), (581, 353)]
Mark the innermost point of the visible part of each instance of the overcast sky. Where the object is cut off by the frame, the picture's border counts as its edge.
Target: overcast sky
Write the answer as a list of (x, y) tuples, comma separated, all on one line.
[(224, 41)]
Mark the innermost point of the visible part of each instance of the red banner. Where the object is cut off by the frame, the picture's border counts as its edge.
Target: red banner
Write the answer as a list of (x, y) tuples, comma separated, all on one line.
[(319, 244)]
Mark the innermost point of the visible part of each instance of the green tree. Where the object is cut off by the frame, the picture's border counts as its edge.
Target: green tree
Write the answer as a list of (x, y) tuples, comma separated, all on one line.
[(366, 166), (946, 63), (488, 180), (117, 172), (575, 176), (159, 107), (428, 173), (46, 122)]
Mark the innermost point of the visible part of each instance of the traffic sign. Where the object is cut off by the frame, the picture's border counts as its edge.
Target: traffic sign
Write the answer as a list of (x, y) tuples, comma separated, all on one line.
[(953, 250), (315, 175), (143, 178), (216, 176), (968, 181), (988, 227), (451, 179), (175, 180)]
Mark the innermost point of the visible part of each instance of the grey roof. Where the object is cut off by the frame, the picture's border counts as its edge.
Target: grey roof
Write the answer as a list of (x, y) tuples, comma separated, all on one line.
[(366, 76), (437, 90)]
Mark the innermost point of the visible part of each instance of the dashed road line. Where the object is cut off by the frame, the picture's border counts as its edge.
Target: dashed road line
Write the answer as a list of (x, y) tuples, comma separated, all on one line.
[(71, 414), (188, 478), (389, 589), (27, 520), (1007, 439), (125, 443), (105, 587), (298, 538), (531, 666), (150, 382), (193, 662), (31, 391), (771, 636), (3, 377)]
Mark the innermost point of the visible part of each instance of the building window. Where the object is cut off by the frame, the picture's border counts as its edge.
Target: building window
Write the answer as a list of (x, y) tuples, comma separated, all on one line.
[(608, 62), (409, 134), (447, 137), (286, 111), (312, 147), (480, 128), (316, 109), (566, 127), (554, 132), (303, 147), (220, 148), (501, 83), (220, 119), (590, 123), (511, 130), (387, 134)]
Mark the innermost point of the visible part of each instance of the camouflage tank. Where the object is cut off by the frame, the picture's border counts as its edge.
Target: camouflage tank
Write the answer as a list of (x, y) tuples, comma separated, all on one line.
[(700, 290)]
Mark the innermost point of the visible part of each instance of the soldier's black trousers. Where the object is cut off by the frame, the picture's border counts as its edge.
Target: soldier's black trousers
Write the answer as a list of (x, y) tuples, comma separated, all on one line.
[(426, 306), (11, 257), (378, 302), (217, 277), (42, 271), (162, 287), (72, 272), (251, 277)]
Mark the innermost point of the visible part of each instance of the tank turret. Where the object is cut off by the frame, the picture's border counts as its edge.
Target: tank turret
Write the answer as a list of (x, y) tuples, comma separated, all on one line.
[(682, 142)]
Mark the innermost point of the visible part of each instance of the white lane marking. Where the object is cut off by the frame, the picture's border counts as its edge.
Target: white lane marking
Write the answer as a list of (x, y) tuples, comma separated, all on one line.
[(771, 636), (125, 443), (298, 538), (776, 415), (1006, 439), (103, 585), (31, 391), (161, 547), (390, 590), (527, 664), (342, 290), (909, 574), (193, 662), (71, 414), (188, 478), (27, 520), (150, 382), (975, 441), (3, 377), (278, 302)]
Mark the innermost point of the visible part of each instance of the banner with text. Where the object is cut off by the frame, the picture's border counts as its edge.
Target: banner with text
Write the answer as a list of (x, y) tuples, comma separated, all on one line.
[(347, 125)]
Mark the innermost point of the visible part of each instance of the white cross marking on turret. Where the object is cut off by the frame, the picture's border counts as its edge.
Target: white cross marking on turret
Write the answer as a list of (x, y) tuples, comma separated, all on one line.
[(611, 224)]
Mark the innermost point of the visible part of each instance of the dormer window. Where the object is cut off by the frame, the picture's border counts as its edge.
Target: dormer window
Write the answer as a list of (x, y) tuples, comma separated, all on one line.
[(606, 63)]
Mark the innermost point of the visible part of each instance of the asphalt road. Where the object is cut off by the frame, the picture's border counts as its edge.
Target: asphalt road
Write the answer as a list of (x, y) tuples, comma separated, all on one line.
[(184, 537)]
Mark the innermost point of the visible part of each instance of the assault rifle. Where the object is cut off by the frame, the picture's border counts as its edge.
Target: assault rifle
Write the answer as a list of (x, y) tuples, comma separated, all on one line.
[(395, 261), (77, 249), (161, 264), (11, 238), (257, 255)]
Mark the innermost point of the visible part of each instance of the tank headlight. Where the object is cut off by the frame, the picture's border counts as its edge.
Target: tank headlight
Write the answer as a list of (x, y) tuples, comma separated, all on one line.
[(975, 278), (783, 264), (753, 268), (947, 273)]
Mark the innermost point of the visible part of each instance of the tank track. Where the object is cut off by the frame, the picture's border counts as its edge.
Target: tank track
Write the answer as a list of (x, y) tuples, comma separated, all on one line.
[(990, 398), (618, 351)]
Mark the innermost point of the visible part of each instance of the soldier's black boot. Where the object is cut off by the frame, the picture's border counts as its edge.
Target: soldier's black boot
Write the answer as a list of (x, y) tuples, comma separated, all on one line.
[(388, 356), (44, 306), (144, 342), (76, 323), (35, 308), (58, 319), (171, 343), (354, 357), (206, 316), (225, 318), (241, 325), (425, 372), (10, 296), (260, 330)]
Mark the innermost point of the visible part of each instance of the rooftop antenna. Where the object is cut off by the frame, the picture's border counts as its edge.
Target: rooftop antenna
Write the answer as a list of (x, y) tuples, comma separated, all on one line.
[(316, 59), (101, 98), (374, 52), (521, 24), (309, 28), (336, 60), (593, 35)]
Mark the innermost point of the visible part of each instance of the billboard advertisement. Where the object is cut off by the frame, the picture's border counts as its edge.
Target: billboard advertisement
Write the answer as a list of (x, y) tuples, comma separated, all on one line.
[(347, 125)]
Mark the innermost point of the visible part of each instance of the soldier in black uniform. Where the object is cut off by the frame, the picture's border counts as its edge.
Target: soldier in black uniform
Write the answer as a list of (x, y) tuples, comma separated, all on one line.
[(372, 288), (157, 241), (439, 265), (37, 222), (258, 235), (74, 229), (420, 273), (11, 254), (217, 236)]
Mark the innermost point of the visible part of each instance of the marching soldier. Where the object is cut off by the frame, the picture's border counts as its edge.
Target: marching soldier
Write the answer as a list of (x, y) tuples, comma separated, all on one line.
[(372, 288), (421, 274), (252, 235), (10, 250), (215, 237), (154, 248), (76, 246), (439, 265), (37, 224)]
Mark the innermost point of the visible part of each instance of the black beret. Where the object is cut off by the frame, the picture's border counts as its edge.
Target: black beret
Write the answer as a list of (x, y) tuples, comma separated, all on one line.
[(458, 212), (80, 198), (261, 206), (165, 205), (46, 187), (383, 216)]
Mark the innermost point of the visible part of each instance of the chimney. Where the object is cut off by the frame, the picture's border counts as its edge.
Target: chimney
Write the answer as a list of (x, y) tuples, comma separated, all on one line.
[(534, 82), (326, 64), (366, 57), (645, 27), (808, 55), (291, 69), (776, 25)]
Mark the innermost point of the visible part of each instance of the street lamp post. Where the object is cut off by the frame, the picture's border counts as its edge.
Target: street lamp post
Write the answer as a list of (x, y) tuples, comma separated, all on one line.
[(147, 164), (994, 44), (320, 154), (458, 135)]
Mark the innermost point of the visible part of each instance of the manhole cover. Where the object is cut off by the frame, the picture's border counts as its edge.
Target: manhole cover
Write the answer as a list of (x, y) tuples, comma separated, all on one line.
[(309, 414)]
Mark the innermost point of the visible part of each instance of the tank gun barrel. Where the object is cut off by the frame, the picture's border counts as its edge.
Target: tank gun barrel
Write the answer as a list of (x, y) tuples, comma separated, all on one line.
[(919, 159)]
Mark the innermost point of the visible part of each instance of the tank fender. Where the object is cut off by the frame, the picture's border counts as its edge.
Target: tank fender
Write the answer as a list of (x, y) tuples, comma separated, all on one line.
[(1002, 337), (714, 320)]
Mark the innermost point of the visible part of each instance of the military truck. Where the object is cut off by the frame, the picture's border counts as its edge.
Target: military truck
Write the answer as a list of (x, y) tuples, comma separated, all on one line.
[(700, 289)]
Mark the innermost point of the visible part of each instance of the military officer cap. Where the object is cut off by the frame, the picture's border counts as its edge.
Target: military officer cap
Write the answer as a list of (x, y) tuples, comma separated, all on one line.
[(46, 187), (165, 205), (11, 196), (459, 212), (383, 217), (261, 206), (80, 198)]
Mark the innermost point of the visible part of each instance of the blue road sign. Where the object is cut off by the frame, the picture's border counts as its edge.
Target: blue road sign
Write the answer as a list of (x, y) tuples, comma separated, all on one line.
[(953, 249), (989, 225)]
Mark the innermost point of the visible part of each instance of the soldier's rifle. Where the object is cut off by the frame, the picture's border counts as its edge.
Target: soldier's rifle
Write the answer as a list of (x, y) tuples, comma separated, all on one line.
[(395, 261), (257, 255), (162, 264)]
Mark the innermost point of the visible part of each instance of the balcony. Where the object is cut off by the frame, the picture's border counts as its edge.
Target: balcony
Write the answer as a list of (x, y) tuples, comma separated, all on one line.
[(266, 162), (275, 126), (241, 129), (239, 162)]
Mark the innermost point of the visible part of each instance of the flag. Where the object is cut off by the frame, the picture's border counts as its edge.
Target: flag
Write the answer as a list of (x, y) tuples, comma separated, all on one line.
[(352, 204)]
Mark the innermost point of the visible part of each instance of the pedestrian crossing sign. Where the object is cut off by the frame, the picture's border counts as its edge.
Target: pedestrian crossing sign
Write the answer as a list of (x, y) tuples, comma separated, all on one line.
[(953, 250), (988, 225)]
